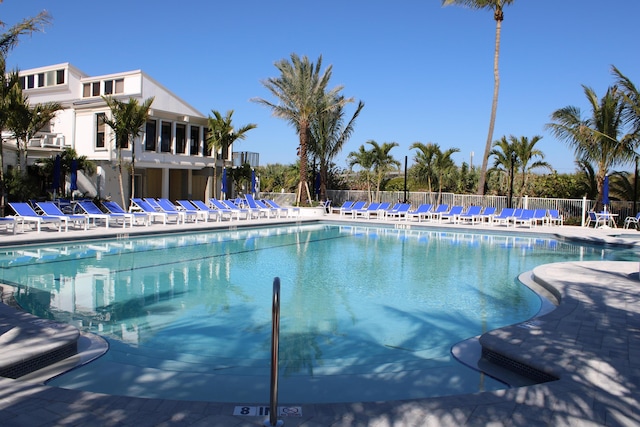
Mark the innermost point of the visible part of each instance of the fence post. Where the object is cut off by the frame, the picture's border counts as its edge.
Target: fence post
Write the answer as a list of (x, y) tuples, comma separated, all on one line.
[(584, 210)]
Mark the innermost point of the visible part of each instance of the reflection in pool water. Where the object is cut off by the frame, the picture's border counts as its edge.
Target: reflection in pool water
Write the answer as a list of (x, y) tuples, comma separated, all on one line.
[(367, 313)]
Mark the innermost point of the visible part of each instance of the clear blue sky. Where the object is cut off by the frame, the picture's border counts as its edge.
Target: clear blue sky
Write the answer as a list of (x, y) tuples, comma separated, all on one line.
[(424, 72)]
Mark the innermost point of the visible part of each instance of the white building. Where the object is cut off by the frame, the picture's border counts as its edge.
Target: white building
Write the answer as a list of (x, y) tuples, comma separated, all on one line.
[(172, 159)]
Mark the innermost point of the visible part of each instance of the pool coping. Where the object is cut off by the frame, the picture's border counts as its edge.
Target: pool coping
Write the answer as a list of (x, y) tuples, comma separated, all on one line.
[(591, 341)]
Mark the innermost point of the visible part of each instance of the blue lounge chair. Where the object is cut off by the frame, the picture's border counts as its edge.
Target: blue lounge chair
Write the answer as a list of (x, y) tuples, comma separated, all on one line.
[(211, 212), (503, 217), (115, 208), (186, 206), (93, 212), (252, 205), (486, 216), (526, 217), (27, 214), (150, 210), (345, 205), (436, 214), (51, 209), (554, 217), (421, 212), (234, 207), (357, 205), (224, 209), (470, 214), (273, 212), (539, 216), (398, 213), (382, 208), (452, 214), (170, 208), (364, 211), (289, 211)]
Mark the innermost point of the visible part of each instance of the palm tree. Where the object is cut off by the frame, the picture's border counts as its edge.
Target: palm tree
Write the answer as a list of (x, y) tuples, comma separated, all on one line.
[(24, 121), (631, 98), (7, 82), (222, 135), (8, 41), (506, 160), (496, 6), (526, 152), (425, 160), (383, 162), (328, 136), (301, 93), (365, 159), (127, 120), (596, 139), (443, 166), (587, 175)]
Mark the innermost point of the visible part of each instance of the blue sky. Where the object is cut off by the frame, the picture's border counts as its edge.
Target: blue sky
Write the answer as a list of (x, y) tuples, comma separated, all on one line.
[(424, 72)]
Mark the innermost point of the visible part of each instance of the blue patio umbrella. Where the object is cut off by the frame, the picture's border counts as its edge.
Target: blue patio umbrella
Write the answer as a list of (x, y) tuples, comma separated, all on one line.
[(224, 183), (253, 181), (56, 175), (73, 185), (605, 191)]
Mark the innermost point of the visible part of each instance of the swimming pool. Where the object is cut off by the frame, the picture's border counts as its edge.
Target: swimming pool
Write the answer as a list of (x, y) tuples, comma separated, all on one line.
[(367, 313)]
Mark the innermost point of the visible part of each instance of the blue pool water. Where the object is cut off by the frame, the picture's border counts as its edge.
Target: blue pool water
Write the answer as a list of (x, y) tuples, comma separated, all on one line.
[(367, 313)]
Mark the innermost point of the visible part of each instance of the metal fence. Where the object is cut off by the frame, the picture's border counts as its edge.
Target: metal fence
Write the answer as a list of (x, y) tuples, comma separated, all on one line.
[(573, 210)]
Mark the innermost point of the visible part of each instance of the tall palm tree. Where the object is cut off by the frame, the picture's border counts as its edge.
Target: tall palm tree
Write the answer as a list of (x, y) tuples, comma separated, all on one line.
[(301, 93), (443, 166), (8, 40), (222, 135), (328, 136), (24, 121), (529, 157), (7, 82), (383, 162), (127, 121), (597, 139), (365, 159), (631, 98), (506, 160), (497, 7), (425, 160)]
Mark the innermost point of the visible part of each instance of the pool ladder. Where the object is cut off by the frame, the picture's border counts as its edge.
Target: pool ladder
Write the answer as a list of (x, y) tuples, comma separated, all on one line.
[(273, 420)]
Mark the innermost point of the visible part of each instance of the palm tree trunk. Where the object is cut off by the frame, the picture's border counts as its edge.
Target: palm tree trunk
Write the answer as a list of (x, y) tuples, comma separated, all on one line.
[(494, 108), (304, 133)]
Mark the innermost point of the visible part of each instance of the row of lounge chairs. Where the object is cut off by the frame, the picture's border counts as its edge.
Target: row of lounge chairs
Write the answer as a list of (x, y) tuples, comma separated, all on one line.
[(143, 211), (454, 214)]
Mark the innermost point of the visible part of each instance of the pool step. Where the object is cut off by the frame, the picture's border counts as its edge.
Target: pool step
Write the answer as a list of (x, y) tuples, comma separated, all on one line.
[(28, 343)]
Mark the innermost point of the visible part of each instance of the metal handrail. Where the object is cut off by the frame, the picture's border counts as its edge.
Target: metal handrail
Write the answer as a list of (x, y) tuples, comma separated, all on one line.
[(275, 338)]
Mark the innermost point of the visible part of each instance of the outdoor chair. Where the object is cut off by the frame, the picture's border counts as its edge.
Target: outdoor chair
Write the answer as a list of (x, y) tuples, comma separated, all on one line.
[(420, 212), (452, 214), (470, 214), (27, 214), (116, 209), (51, 209), (554, 217), (93, 212), (632, 220), (150, 210)]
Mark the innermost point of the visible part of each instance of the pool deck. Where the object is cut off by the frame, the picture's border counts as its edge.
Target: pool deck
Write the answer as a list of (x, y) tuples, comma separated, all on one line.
[(591, 342)]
